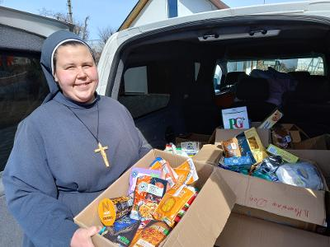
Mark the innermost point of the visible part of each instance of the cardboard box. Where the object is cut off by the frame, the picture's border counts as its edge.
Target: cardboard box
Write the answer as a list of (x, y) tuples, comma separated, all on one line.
[(321, 142), (278, 202), (202, 223), (225, 134), (203, 139), (245, 231)]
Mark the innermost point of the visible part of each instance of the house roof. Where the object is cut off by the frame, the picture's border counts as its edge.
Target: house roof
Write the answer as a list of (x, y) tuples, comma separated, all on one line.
[(142, 3)]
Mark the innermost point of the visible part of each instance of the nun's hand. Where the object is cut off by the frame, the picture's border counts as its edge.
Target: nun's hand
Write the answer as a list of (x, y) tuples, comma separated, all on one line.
[(83, 237)]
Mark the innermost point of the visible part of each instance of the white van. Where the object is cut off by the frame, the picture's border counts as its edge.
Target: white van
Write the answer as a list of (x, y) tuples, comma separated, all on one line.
[(175, 76), (22, 89)]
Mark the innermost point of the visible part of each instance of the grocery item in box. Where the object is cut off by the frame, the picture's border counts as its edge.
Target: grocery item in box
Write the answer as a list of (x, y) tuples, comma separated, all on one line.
[(189, 166), (190, 147), (124, 234), (138, 172), (171, 204), (167, 171), (231, 148), (110, 210), (302, 174), (235, 118), (271, 120), (267, 168), (147, 195), (152, 235), (255, 144), (286, 156)]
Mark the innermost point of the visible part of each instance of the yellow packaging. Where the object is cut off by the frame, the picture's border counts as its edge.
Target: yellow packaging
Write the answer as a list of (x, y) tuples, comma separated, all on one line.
[(288, 157), (255, 144), (111, 209), (171, 204), (107, 212)]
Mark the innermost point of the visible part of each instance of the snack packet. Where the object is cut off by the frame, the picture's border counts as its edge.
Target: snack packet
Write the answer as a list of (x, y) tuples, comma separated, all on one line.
[(231, 148), (148, 193)]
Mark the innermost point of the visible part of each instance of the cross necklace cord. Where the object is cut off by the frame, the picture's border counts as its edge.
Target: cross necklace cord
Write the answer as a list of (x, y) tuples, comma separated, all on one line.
[(101, 149)]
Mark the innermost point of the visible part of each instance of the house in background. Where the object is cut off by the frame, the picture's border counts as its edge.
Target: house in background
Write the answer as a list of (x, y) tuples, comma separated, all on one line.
[(148, 11)]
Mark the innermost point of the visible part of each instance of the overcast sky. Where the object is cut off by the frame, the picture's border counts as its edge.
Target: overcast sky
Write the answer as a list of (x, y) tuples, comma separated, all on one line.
[(102, 13)]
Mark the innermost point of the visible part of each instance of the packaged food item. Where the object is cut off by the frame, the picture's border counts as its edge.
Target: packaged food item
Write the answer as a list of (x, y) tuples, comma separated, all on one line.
[(281, 137), (111, 209), (171, 204), (125, 234), (271, 120), (138, 172), (148, 193), (185, 208), (191, 147), (152, 235), (255, 144), (286, 156), (267, 168), (189, 166), (167, 171), (302, 174), (231, 148)]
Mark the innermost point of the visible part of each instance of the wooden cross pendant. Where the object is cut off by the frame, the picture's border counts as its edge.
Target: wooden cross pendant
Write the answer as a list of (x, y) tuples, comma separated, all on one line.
[(101, 150)]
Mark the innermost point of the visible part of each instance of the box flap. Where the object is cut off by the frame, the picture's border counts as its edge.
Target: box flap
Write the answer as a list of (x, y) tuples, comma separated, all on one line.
[(206, 217), (245, 231), (285, 200), (209, 154)]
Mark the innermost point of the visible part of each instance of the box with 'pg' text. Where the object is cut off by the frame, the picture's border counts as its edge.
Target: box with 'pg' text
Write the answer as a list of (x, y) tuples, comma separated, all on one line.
[(235, 118)]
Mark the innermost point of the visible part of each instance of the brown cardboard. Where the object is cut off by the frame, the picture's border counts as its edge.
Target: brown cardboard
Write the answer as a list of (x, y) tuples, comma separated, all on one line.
[(296, 133), (225, 134), (203, 139), (245, 231), (321, 142), (202, 223), (296, 206), (211, 154)]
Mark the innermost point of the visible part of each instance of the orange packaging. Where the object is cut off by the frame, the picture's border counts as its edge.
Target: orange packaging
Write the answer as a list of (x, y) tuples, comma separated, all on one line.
[(152, 235), (167, 171), (171, 204), (189, 166), (148, 193), (111, 209)]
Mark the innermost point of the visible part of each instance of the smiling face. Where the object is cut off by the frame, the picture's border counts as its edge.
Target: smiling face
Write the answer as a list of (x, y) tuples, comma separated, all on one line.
[(76, 72)]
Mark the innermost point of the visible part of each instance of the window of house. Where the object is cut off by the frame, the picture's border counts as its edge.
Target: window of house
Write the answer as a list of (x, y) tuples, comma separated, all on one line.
[(22, 89), (144, 89)]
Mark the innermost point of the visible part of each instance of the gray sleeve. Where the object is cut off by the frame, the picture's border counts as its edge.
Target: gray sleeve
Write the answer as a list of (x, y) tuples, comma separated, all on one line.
[(31, 193)]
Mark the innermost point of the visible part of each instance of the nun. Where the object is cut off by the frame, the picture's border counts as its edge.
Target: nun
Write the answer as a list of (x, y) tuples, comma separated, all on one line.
[(69, 149)]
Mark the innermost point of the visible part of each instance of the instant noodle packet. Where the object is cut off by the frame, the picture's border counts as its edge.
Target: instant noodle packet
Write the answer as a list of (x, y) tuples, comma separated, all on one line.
[(148, 193), (231, 148)]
